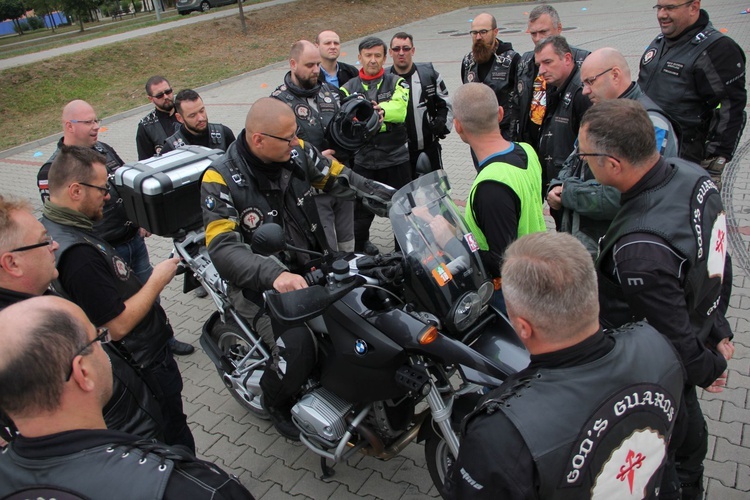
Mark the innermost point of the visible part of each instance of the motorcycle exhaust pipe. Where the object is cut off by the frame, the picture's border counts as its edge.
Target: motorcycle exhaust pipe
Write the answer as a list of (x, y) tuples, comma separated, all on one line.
[(401, 443)]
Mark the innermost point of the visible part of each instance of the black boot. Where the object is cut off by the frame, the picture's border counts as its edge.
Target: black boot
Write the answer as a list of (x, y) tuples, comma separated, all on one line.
[(281, 418)]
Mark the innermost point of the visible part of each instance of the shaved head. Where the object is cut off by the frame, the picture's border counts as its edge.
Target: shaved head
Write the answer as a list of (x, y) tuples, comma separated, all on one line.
[(75, 108), (605, 75), (485, 18), (301, 47), (265, 115), (607, 57), (475, 108)]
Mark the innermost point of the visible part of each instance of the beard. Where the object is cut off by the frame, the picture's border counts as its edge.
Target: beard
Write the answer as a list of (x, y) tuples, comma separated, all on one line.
[(482, 52), (167, 106)]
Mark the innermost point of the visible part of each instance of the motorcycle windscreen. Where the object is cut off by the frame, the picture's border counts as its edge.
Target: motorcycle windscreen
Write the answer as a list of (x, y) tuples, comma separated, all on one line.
[(440, 254)]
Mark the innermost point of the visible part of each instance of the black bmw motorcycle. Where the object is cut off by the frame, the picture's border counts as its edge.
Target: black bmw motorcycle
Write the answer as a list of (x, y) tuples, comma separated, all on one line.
[(406, 341)]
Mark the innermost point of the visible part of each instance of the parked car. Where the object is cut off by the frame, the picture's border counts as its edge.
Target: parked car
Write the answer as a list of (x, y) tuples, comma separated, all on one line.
[(187, 6)]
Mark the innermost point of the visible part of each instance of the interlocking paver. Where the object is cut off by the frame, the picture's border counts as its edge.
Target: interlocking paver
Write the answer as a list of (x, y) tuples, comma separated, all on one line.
[(272, 467)]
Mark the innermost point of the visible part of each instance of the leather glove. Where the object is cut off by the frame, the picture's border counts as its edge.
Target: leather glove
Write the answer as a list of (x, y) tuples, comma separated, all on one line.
[(715, 166), (376, 197), (438, 128)]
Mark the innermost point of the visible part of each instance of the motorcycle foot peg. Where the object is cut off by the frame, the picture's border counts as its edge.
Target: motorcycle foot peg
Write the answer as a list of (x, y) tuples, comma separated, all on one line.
[(328, 472), (413, 380)]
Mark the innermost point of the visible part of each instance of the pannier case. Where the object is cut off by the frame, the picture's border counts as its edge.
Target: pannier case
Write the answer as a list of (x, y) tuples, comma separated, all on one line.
[(162, 194)]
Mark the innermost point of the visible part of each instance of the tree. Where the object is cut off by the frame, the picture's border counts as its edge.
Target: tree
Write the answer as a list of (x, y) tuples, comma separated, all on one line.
[(13, 10), (80, 8), (44, 8)]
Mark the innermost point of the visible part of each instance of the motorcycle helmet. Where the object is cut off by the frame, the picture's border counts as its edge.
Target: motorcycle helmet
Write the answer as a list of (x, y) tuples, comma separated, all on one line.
[(354, 124)]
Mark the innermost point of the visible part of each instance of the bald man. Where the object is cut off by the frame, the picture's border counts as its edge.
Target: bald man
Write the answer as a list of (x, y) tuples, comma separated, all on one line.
[(56, 379), (333, 71), (81, 128), (494, 63), (315, 103), (266, 176), (587, 206)]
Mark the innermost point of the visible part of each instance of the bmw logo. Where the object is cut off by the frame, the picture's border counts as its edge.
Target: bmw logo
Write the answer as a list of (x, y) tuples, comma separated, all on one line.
[(360, 347)]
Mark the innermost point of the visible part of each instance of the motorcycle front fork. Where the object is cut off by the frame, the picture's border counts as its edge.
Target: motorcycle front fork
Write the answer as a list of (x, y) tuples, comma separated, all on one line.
[(441, 415)]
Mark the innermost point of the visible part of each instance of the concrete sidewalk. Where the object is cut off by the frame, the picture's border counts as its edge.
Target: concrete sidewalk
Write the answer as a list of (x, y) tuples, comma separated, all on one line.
[(193, 18), (274, 468)]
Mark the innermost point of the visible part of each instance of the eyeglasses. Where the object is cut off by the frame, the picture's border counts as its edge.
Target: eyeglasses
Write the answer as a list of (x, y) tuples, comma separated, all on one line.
[(162, 94), (47, 241), (89, 123), (288, 140), (582, 156), (104, 190), (102, 335), (479, 32), (590, 81), (404, 48), (670, 8)]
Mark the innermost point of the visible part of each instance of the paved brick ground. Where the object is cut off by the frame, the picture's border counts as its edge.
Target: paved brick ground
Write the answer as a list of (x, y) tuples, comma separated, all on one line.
[(274, 468)]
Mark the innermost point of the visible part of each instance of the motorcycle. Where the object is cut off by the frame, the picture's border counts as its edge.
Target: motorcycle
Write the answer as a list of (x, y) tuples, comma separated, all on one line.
[(407, 341)]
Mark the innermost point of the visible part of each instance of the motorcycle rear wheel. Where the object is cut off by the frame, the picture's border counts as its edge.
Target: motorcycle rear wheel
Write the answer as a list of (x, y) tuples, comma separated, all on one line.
[(439, 460), (234, 345)]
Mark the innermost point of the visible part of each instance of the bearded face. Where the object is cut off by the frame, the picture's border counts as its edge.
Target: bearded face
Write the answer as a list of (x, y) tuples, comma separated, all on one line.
[(483, 51)]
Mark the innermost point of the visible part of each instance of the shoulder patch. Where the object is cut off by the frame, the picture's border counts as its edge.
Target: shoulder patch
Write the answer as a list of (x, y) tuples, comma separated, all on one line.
[(648, 56), (121, 268), (251, 218)]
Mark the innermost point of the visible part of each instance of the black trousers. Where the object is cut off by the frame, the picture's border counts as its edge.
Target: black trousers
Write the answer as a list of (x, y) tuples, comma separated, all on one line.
[(166, 375), (397, 177), (297, 358)]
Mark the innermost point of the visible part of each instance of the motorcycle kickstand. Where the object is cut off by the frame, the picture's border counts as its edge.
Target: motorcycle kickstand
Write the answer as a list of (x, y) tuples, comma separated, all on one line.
[(328, 472)]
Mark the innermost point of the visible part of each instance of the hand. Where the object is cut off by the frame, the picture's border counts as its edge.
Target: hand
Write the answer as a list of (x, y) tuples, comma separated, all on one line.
[(143, 233), (378, 109), (165, 271), (725, 348), (442, 230), (288, 282), (719, 384), (328, 153), (554, 198), (437, 127)]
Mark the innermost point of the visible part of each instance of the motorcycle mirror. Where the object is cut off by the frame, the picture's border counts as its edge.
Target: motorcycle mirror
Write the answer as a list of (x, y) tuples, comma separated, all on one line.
[(268, 239), (423, 164)]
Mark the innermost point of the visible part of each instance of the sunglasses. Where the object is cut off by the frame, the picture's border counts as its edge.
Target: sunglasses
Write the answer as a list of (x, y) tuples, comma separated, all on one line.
[(162, 94)]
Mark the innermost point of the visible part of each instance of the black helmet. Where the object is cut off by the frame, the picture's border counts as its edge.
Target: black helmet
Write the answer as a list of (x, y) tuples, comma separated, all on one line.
[(354, 124)]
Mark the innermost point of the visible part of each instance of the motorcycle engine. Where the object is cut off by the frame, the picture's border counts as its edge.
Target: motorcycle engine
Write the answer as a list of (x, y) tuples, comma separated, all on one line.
[(320, 415)]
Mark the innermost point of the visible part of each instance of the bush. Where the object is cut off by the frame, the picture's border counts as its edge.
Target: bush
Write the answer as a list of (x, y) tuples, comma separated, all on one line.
[(104, 10), (138, 5), (35, 23), (125, 6), (21, 26)]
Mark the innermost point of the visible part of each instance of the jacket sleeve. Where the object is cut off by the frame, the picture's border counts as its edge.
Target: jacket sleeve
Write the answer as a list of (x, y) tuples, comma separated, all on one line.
[(395, 108), (720, 80), (143, 144), (233, 258), (443, 106), (590, 199)]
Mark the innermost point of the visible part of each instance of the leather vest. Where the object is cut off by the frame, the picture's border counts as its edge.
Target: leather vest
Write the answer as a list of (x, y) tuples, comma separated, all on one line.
[(601, 429), (115, 227), (115, 472), (154, 130), (389, 146), (527, 72), (557, 136), (133, 407), (667, 78), (147, 342), (290, 205), (217, 139), (423, 97), (312, 120), (696, 230)]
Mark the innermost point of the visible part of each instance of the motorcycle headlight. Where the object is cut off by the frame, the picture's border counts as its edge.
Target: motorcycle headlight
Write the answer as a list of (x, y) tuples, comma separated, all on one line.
[(485, 291), (466, 311)]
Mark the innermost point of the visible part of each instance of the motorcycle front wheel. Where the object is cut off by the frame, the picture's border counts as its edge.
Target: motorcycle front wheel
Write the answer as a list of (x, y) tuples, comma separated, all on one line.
[(439, 460), (234, 345)]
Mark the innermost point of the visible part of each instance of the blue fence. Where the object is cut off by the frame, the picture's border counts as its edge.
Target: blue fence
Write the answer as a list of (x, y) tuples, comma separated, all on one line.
[(7, 27)]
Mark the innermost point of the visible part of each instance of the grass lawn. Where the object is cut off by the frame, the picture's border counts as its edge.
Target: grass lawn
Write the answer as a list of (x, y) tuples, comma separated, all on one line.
[(111, 78)]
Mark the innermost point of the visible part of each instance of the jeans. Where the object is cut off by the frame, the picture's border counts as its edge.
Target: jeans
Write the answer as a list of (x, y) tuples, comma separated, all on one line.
[(135, 255)]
